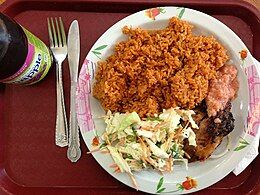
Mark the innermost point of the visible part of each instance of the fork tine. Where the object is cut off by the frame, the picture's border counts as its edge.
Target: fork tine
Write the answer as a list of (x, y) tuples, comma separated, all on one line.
[(58, 33), (64, 39), (93, 70), (50, 33), (54, 33)]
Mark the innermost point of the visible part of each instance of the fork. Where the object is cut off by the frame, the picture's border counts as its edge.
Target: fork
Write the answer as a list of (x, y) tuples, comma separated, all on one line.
[(91, 69), (58, 45)]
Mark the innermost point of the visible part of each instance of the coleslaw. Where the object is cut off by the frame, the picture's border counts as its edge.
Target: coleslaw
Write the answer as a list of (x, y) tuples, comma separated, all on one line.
[(137, 144)]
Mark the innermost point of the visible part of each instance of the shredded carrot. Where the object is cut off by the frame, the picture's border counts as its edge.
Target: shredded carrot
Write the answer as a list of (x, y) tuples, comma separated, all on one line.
[(168, 166), (187, 155), (144, 147), (151, 161), (122, 141), (159, 125), (134, 181), (159, 171), (149, 128), (104, 151), (146, 128), (113, 165), (107, 139), (113, 138), (172, 135), (95, 150), (117, 170), (178, 133), (143, 159), (148, 160), (186, 125), (171, 163)]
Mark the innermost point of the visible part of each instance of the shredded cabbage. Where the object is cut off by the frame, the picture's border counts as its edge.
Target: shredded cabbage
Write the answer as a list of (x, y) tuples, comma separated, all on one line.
[(154, 142)]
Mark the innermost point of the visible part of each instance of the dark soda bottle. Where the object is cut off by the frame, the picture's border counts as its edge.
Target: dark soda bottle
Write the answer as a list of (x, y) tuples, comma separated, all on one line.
[(24, 59)]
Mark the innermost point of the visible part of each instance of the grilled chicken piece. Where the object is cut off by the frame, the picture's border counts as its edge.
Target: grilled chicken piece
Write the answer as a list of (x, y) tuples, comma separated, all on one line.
[(210, 133)]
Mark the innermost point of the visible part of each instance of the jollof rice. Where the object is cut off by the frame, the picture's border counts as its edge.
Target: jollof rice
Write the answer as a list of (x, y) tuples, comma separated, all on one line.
[(153, 70)]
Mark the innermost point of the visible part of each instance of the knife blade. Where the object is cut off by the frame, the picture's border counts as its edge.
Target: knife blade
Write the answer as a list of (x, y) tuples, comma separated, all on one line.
[(73, 50), (74, 151)]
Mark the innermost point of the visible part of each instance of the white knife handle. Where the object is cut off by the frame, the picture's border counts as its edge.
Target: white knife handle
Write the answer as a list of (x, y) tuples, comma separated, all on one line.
[(74, 151)]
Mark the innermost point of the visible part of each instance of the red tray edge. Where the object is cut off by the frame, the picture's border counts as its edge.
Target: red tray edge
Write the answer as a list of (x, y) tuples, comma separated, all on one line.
[(6, 184), (248, 9)]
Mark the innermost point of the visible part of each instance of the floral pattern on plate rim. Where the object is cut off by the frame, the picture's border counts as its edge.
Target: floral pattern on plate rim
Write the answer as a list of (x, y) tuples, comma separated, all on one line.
[(153, 12), (83, 107), (253, 119), (188, 184), (97, 51), (182, 10), (241, 144)]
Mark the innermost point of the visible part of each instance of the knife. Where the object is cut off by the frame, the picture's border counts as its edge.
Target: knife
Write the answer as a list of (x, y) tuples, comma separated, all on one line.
[(74, 151)]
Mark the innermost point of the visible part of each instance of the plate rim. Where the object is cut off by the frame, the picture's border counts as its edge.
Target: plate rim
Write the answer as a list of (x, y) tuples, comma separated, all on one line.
[(249, 61)]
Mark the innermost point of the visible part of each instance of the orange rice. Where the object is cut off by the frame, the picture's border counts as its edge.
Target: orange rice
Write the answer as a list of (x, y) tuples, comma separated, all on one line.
[(153, 70)]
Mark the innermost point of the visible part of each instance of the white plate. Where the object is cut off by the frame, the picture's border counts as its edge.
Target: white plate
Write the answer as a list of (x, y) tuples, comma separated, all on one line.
[(200, 174)]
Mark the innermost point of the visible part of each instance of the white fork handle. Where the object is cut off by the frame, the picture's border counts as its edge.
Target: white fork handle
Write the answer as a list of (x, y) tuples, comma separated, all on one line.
[(61, 132)]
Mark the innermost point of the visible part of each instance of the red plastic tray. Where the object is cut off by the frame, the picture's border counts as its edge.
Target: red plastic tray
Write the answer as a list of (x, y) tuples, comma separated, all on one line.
[(30, 163)]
